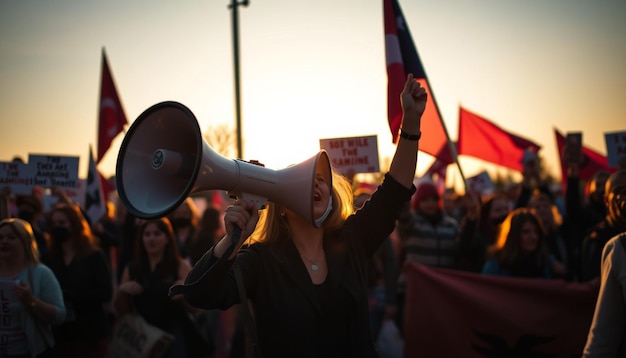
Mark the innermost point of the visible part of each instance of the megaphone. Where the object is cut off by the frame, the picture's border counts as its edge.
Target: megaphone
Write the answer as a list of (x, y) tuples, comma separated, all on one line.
[(163, 159)]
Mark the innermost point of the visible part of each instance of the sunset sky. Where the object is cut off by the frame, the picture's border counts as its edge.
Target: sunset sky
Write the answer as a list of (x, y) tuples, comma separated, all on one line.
[(310, 69)]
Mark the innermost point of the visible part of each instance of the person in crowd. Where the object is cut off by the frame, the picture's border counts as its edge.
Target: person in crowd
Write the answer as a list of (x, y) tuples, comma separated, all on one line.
[(107, 234), (185, 220), (588, 210), (383, 272), (31, 295), (85, 278), (582, 212), (452, 204), (613, 224), (479, 228), (531, 181), (30, 208), (428, 236), (559, 242), (210, 230), (559, 197), (128, 225), (520, 249), (6, 201), (307, 282), (607, 333), (512, 190), (145, 283)]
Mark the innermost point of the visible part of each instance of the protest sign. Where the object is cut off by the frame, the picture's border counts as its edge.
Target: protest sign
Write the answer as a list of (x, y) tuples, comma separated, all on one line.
[(17, 176), (54, 170), (352, 155), (481, 183), (615, 147)]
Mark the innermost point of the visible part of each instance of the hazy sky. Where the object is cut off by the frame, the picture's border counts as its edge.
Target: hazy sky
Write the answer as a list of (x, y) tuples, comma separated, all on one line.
[(310, 69)]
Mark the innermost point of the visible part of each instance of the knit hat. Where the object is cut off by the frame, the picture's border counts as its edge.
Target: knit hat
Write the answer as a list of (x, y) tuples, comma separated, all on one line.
[(424, 190)]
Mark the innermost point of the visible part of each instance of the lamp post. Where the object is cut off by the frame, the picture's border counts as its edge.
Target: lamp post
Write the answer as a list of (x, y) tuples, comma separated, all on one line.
[(234, 6)]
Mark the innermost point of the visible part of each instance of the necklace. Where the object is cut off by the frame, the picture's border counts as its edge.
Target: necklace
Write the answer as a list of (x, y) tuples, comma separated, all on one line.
[(314, 266)]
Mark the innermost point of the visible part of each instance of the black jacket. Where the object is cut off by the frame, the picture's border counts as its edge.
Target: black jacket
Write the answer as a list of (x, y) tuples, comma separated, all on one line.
[(289, 316)]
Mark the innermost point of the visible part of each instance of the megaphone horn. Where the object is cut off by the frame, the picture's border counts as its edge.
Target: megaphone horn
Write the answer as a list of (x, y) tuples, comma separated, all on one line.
[(163, 159)]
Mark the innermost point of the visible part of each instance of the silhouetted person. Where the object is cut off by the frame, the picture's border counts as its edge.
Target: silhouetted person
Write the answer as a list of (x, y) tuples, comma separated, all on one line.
[(613, 224)]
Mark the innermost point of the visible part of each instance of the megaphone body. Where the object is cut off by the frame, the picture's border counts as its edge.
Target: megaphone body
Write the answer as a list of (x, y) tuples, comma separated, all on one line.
[(163, 159)]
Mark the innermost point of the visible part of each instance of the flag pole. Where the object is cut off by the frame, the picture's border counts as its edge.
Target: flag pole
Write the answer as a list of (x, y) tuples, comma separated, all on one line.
[(453, 148), (405, 53), (234, 6), (451, 145)]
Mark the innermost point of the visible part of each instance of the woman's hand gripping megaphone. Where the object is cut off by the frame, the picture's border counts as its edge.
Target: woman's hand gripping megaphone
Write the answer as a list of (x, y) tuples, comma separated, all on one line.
[(240, 219)]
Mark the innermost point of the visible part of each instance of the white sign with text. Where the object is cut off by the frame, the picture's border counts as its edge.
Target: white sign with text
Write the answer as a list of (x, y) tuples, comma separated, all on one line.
[(352, 155), (481, 183)]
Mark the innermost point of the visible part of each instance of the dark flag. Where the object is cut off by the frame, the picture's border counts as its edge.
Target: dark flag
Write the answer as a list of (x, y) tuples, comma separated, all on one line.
[(461, 314), (95, 204)]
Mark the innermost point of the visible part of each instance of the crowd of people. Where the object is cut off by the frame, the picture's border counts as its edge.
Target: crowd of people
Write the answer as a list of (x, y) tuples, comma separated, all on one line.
[(68, 280), (322, 288)]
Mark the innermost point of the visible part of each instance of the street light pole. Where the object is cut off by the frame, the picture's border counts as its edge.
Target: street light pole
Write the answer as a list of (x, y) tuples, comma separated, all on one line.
[(234, 6)]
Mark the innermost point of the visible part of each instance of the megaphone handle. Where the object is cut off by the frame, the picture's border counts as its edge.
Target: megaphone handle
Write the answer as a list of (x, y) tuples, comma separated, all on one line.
[(234, 238), (178, 289)]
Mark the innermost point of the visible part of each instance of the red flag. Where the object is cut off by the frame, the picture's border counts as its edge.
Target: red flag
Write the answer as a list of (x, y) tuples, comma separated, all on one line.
[(111, 114), (592, 161), (482, 139), (402, 59), (440, 166), (461, 314)]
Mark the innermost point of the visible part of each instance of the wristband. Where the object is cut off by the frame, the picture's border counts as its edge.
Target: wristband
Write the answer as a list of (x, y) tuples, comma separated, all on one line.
[(32, 304), (407, 136)]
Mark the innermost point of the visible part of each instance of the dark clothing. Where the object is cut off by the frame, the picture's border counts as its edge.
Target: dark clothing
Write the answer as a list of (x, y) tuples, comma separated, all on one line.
[(158, 309), (585, 216), (186, 247), (565, 247), (87, 286), (292, 317), (109, 237), (579, 219), (42, 244), (128, 235), (155, 305), (472, 247), (383, 283), (593, 244), (384, 270), (526, 193), (200, 244)]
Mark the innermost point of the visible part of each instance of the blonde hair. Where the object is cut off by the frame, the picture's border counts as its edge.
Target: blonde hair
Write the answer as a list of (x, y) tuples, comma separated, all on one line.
[(24, 232), (272, 227)]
